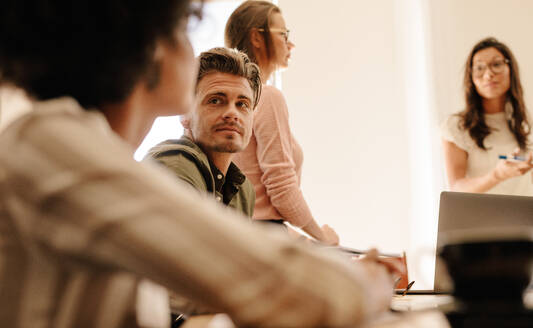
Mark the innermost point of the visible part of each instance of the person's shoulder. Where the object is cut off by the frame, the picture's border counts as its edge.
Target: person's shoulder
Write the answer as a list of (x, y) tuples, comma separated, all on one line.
[(271, 103), (183, 158), (176, 153), (452, 124), (452, 130), (53, 120), (173, 147), (64, 110), (271, 90), (270, 93), (454, 118), (183, 148)]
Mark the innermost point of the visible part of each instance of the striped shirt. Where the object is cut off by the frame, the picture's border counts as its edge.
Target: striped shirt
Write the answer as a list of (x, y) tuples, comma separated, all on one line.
[(81, 223)]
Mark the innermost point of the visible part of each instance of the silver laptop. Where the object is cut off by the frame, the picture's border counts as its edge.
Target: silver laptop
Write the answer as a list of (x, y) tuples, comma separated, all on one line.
[(458, 210)]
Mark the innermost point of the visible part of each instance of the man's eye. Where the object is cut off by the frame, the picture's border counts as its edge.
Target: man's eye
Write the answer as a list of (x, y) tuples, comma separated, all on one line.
[(242, 104), (214, 101)]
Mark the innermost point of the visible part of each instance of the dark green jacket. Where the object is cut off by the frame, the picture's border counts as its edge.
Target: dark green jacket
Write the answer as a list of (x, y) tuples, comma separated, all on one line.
[(191, 165)]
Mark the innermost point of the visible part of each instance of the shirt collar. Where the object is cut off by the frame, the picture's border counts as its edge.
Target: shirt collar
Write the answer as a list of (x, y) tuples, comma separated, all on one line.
[(234, 176)]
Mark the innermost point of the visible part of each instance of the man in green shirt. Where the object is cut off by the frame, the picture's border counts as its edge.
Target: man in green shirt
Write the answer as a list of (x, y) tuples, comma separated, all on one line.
[(227, 91)]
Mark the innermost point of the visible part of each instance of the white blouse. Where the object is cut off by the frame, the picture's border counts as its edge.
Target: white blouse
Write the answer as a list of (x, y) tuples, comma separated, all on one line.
[(500, 141)]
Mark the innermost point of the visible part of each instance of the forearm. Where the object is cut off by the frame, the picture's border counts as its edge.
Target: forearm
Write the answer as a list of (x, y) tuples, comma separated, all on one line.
[(479, 184), (313, 229), (292, 207), (257, 286)]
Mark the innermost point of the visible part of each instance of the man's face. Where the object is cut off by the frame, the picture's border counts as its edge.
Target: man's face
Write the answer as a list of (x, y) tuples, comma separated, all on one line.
[(222, 119)]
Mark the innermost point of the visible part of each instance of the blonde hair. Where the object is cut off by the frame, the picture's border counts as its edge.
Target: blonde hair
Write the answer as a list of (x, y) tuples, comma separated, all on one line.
[(249, 15)]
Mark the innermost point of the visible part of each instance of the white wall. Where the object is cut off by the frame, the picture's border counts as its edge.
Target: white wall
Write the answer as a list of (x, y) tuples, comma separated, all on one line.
[(346, 100), (368, 86), (457, 25)]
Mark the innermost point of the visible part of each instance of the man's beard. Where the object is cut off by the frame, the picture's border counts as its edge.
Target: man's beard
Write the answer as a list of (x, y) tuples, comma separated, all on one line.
[(226, 147)]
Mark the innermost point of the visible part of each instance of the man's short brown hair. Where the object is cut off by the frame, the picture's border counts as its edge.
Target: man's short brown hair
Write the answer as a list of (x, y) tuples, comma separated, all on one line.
[(230, 61)]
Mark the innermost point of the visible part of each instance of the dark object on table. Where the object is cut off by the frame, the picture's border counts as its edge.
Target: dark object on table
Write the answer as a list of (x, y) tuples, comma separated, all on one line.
[(491, 269)]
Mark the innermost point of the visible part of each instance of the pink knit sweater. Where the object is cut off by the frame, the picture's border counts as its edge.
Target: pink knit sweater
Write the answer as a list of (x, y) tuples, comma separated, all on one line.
[(273, 163)]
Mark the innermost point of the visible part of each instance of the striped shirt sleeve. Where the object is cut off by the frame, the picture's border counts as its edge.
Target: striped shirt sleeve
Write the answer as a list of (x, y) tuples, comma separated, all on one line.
[(91, 203)]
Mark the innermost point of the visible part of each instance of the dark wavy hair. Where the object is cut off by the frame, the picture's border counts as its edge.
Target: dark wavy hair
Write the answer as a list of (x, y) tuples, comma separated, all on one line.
[(250, 14), (92, 50), (472, 118), (230, 61)]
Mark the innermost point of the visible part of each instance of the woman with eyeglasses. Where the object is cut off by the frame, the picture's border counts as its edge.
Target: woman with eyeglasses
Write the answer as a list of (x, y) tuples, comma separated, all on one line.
[(273, 158), (486, 145)]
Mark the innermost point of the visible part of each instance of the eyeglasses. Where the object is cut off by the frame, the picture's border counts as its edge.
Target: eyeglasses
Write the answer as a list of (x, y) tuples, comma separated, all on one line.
[(497, 67), (282, 31)]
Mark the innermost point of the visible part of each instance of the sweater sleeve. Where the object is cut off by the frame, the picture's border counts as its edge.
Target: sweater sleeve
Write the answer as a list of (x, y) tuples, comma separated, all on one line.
[(275, 157)]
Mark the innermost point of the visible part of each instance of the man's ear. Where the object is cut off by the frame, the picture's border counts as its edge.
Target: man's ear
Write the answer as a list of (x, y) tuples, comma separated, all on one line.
[(185, 121)]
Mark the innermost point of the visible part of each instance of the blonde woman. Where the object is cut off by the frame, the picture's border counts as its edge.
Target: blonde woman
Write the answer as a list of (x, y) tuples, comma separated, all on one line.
[(273, 159)]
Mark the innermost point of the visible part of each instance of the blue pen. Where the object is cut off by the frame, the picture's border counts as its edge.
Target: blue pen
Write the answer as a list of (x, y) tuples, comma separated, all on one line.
[(516, 158)]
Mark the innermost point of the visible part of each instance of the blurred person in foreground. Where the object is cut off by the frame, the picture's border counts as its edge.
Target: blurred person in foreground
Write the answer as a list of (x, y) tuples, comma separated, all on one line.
[(82, 222)]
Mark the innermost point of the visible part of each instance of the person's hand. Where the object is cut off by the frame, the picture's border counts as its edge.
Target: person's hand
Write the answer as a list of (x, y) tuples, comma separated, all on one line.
[(299, 236), (381, 274), (506, 169), (329, 236), (392, 266)]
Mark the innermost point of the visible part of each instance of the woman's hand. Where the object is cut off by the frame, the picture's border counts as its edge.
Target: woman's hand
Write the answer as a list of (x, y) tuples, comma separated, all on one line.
[(391, 265), (456, 166), (506, 169), (324, 234), (329, 236)]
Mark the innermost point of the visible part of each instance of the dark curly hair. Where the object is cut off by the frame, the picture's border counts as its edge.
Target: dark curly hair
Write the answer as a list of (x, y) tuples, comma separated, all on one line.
[(472, 119), (92, 50)]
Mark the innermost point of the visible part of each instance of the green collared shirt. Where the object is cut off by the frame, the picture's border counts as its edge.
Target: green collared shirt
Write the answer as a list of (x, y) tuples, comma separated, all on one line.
[(191, 164)]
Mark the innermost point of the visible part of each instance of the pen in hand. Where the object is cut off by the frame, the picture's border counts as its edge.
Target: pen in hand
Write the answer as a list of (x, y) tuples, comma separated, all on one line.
[(512, 158)]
